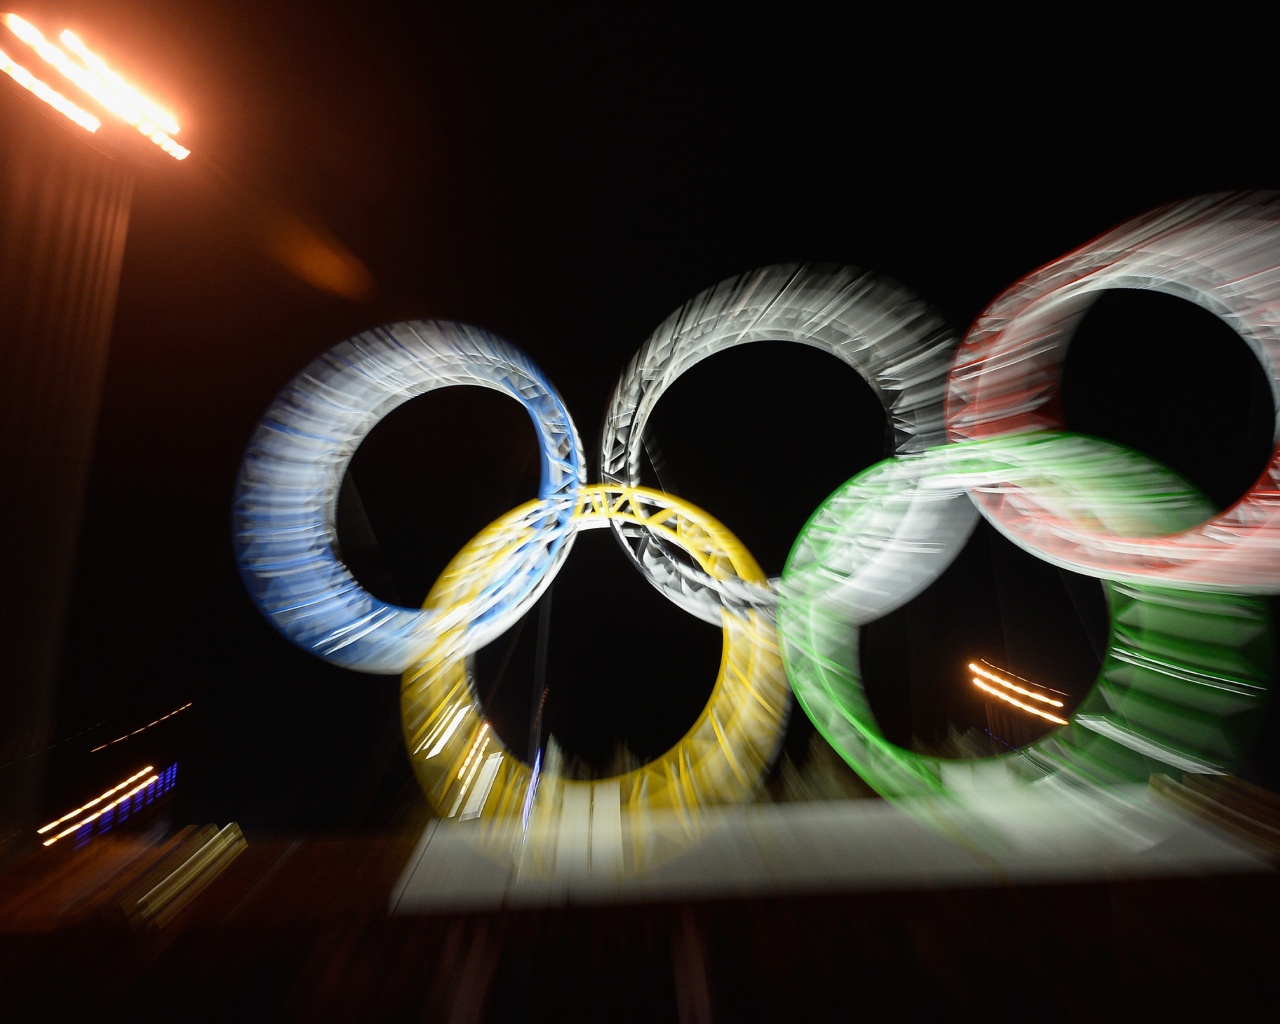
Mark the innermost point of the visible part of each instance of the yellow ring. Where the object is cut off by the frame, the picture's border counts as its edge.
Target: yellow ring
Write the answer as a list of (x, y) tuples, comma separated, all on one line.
[(467, 772)]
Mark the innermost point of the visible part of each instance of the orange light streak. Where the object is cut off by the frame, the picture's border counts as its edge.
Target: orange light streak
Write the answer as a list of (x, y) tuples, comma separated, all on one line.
[(95, 800), (143, 728), (65, 66), (1013, 686), (97, 814), (1017, 703)]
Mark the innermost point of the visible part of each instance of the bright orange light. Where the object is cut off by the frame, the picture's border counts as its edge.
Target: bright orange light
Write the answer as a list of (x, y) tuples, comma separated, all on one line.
[(995, 678), (87, 81), (108, 90), (98, 66), (1017, 703), (96, 800), (99, 813), (51, 96)]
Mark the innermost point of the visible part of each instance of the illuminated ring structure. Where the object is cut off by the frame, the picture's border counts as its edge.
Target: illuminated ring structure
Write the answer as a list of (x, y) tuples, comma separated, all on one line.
[(1219, 251), (895, 341), (284, 517), (462, 765), (1180, 689), (1186, 669)]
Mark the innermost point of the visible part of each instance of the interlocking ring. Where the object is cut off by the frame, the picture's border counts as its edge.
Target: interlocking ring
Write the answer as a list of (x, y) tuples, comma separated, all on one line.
[(1188, 662), (895, 341), (1219, 251), (465, 769), (1187, 669), (1185, 673), (286, 532), (284, 520)]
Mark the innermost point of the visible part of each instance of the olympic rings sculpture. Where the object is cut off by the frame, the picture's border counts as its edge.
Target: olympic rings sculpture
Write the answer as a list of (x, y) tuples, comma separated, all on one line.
[(973, 431)]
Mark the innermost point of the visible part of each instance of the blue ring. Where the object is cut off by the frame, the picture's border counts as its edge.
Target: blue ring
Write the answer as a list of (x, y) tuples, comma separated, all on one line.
[(284, 515)]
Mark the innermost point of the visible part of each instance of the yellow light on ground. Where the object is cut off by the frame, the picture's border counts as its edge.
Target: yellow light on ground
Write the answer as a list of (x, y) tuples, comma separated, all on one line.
[(102, 84), (1017, 703), (96, 800), (43, 91)]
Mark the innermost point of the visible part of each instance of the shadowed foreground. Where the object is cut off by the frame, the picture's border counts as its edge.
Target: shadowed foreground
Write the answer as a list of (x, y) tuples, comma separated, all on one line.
[(293, 929)]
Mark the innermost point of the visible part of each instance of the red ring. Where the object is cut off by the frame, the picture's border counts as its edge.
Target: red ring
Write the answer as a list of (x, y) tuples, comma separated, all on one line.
[(1220, 251)]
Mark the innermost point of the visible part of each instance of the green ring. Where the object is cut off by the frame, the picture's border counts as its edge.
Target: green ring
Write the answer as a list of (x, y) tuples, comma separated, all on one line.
[(1181, 688)]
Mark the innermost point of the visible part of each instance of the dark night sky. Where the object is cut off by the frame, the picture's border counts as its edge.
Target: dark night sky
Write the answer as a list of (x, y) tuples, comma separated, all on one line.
[(567, 177)]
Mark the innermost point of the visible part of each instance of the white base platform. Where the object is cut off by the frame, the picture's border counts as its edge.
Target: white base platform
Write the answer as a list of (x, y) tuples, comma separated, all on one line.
[(761, 850)]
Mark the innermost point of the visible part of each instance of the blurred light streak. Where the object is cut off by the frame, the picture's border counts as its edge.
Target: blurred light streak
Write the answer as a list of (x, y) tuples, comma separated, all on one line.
[(530, 793), (42, 90), (64, 65), (449, 730), (1017, 703), (122, 103), (135, 732), (474, 747), (480, 793), (96, 800), (185, 880), (97, 814), (299, 242), (995, 678), (314, 254), (51, 746), (1147, 746)]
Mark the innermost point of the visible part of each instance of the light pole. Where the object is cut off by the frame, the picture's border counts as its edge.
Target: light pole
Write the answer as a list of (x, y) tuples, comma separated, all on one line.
[(64, 211)]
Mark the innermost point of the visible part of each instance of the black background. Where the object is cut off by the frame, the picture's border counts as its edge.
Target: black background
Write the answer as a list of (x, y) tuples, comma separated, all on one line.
[(566, 177)]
